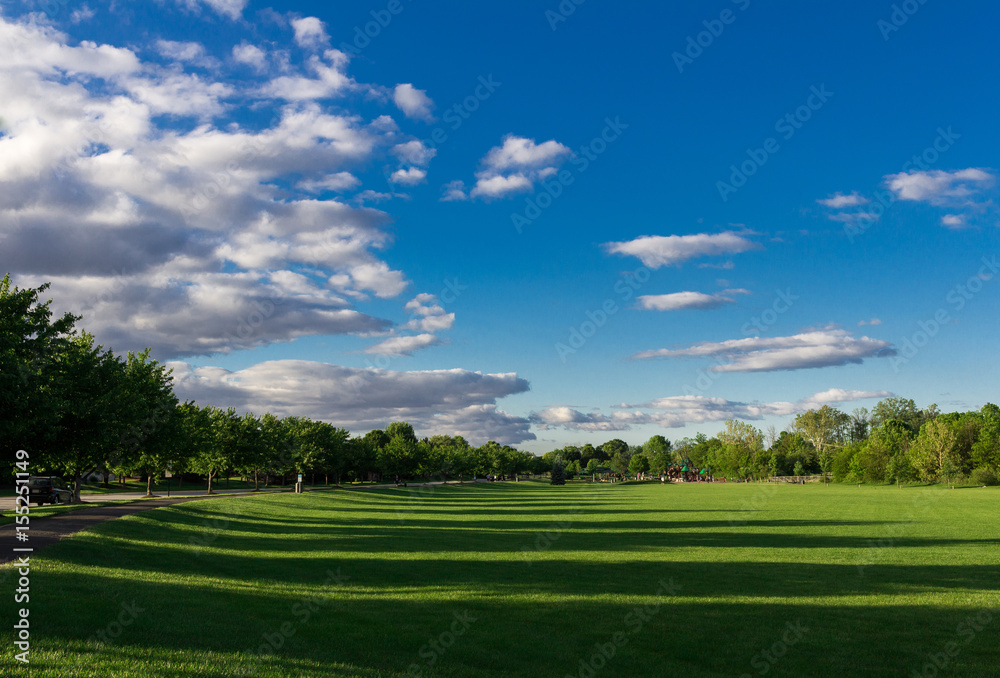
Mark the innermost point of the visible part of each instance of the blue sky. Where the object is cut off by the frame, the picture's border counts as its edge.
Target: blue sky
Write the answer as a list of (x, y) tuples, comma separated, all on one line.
[(513, 221)]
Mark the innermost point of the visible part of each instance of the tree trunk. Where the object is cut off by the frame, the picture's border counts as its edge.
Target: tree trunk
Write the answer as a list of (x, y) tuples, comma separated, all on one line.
[(149, 485), (227, 481), (256, 482), (209, 483)]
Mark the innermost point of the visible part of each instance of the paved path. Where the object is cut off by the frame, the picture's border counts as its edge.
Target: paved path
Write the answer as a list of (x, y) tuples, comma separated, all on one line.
[(7, 503), (45, 531), (48, 530)]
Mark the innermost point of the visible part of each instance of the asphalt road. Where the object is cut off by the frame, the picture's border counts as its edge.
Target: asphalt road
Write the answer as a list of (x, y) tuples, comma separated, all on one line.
[(7, 503)]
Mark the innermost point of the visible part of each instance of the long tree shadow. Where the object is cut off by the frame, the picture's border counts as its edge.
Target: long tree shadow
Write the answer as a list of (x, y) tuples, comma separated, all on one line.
[(371, 625)]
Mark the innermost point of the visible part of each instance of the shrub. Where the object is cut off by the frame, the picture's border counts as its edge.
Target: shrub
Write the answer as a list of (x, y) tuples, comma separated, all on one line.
[(984, 476), (558, 471)]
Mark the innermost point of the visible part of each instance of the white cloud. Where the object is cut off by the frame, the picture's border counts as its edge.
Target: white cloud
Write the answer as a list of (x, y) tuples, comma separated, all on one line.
[(232, 9), (657, 250), (939, 187), (440, 401), (414, 152), (408, 177), (454, 191), (678, 301), (330, 80), (82, 13), (310, 33), (873, 321), (513, 167), (818, 348), (500, 186), (520, 154), (403, 345), (251, 55), (430, 316), (840, 200), (191, 52), (679, 411), (339, 181), (413, 102), (954, 221), (184, 235)]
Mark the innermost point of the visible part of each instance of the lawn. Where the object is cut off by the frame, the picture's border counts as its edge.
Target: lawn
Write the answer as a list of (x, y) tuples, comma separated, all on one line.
[(527, 579)]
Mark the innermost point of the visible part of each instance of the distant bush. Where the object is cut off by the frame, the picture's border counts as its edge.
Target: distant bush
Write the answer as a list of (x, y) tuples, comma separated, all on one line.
[(558, 471), (984, 476)]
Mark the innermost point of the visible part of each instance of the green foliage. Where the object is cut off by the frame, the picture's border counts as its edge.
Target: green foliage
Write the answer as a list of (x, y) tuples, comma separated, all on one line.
[(984, 476), (558, 476), (638, 464)]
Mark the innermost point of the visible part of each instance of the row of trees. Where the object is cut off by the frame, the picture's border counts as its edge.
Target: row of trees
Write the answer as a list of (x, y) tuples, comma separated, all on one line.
[(80, 409), (894, 442)]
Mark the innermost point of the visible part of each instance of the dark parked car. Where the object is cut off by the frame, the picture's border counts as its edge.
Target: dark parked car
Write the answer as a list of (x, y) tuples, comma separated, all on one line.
[(49, 490)]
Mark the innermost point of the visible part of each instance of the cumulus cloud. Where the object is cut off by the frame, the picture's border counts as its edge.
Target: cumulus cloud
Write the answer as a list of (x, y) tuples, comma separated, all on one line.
[(404, 345), (184, 235), (679, 411), (310, 32), (413, 102), (328, 79), (873, 321), (678, 301), (428, 317), (953, 221), (818, 348), (454, 191), (187, 52), (840, 200), (439, 401), (513, 167), (232, 9), (408, 177), (414, 152), (251, 55), (939, 187), (655, 251)]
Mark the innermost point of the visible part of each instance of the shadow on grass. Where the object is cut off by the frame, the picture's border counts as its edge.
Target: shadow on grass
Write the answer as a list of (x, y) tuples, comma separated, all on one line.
[(364, 627)]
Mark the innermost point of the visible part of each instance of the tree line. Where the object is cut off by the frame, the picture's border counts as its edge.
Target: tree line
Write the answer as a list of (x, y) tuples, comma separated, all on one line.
[(80, 409), (895, 442)]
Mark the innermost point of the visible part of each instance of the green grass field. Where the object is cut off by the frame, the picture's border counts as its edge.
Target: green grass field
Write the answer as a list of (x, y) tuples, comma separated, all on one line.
[(528, 580)]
